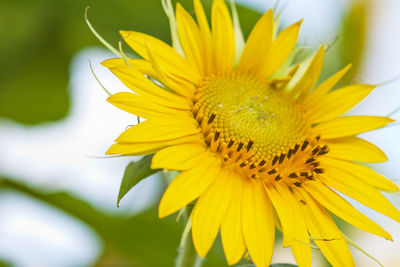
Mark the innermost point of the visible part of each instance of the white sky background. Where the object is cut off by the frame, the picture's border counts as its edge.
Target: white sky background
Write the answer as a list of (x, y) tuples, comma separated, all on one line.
[(56, 155)]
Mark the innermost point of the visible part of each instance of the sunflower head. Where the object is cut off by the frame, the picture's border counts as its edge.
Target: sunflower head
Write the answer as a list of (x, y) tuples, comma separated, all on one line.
[(259, 144)]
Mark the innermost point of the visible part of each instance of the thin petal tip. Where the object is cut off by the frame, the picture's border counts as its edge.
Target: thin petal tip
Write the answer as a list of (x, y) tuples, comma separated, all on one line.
[(163, 211), (110, 98), (179, 8), (390, 120), (124, 34), (111, 151), (299, 22), (201, 251), (105, 63)]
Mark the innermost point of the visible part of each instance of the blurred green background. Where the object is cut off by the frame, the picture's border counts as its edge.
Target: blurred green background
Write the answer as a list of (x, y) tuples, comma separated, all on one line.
[(39, 39)]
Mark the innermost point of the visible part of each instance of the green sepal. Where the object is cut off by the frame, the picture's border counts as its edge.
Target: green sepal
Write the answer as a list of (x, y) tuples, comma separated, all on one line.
[(135, 172)]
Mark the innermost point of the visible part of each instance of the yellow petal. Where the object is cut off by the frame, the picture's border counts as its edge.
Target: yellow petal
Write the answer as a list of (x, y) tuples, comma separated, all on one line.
[(361, 172), (355, 149), (338, 102), (239, 39), (224, 37), (180, 157), (343, 209), (140, 65), (284, 210), (364, 193), (172, 81), (280, 49), (141, 85), (209, 211), (167, 57), (258, 223), (205, 36), (231, 227), (190, 38), (143, 107), (301, 247), (188, 186), (294, 228), (301, 244), (159, 130), (306, 83), (326, 234), (258, 44), (324, 88), (350, 125), (150, 147)]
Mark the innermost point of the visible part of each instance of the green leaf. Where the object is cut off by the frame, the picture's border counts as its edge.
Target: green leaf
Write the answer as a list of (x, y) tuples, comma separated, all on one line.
[(134, 173)]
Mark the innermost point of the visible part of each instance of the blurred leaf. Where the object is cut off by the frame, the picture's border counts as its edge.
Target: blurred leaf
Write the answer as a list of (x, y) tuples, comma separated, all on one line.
[(5, 263), (41, 37), (351, 42), (136, 239), (353, 37), (134, 173)]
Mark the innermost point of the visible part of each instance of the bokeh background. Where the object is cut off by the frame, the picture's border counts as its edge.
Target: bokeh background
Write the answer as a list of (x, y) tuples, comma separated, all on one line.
[(57, 191)]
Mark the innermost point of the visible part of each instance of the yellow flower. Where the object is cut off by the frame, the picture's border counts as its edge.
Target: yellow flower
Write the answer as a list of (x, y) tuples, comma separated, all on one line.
[(257, 146)]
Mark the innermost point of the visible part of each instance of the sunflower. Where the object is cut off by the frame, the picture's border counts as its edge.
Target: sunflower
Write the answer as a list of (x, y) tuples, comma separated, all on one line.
[(258, 144)]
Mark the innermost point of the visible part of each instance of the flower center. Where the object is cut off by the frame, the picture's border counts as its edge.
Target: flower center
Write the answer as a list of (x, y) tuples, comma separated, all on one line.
[(247, 109), (256, 129)]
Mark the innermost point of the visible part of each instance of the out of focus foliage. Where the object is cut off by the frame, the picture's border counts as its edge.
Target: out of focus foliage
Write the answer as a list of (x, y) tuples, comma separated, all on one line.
[(349, 45), (40, 37), (128, 241), (353, 35)]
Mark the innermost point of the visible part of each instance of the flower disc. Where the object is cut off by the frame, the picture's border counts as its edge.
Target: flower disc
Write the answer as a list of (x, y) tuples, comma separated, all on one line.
[(246, 108)]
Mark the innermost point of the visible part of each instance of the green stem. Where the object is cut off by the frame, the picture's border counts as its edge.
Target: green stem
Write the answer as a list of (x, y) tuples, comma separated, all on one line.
[(187, 256)]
